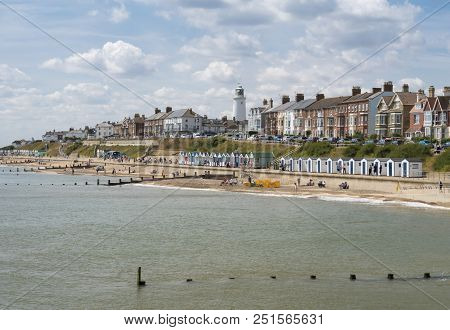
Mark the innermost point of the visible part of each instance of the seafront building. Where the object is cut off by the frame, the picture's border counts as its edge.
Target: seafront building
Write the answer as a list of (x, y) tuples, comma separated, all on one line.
[(380, 112)]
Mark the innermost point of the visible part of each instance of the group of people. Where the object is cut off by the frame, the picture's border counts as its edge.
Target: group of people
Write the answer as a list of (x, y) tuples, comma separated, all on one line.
[(229, 182), (344, 185)]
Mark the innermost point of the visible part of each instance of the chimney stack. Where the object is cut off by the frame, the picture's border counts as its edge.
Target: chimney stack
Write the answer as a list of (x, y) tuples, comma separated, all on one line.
[(376, 90), (265, 102), (421, 92), (299, 97), (431, 91), (168, 109), (446, 91), (271, 102), (285, 99), (356, 90), (157, 110), (387, 86), (405, 88), (320, 97)]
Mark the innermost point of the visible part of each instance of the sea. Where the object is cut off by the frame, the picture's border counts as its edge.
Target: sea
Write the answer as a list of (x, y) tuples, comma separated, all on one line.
[(67, 246)]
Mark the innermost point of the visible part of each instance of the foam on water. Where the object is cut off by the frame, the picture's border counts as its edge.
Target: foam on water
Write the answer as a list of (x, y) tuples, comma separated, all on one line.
[(330, 198)]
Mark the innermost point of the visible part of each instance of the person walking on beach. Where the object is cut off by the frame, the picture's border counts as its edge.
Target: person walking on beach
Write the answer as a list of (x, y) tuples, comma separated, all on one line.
[(295, 184), (441, 186), (370, 170), (344, 170)]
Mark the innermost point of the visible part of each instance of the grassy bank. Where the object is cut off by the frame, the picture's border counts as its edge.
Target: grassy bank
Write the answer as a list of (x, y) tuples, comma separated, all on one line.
[(223, 145)]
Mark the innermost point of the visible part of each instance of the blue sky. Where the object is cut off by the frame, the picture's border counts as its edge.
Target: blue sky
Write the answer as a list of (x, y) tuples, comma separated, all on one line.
[(192, 53)]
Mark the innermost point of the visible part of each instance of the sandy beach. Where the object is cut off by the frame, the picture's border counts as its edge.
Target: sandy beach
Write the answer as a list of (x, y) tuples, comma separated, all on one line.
[(409, 193)]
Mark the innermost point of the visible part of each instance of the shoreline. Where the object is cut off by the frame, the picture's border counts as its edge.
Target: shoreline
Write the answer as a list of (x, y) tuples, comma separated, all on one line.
[(361, 190), (367, 198)]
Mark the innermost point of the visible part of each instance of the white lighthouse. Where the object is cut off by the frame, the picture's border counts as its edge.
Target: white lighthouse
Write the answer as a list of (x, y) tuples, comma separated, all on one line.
[(239, 110)]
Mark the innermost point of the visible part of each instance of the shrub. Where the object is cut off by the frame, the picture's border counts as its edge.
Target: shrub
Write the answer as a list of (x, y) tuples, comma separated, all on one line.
[(351, 150), (316, 149), (410, 150), (366, 150), (384, 151), (442, 162)]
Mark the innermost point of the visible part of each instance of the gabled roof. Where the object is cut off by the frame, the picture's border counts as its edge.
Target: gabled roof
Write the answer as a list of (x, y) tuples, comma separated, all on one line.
[(358, 98), (302, 104), (158, 116), (181, 113), (407, 98), (429, 105), (327, 103), (442, 103), (281, 107)]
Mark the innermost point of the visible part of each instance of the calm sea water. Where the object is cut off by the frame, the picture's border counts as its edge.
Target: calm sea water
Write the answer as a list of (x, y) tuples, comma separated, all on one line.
[(79, 247)]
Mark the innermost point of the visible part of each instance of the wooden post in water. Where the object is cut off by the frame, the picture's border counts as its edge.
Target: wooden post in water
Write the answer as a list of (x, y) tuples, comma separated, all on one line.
[(139, 281)]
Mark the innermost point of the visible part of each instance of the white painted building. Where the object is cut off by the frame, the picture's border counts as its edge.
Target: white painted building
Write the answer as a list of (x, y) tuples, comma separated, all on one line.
[(182, 121), (239, 107), (76, 134), (104, 130)]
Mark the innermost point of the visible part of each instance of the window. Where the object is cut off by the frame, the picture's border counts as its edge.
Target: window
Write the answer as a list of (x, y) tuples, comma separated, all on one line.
[(416, 119)]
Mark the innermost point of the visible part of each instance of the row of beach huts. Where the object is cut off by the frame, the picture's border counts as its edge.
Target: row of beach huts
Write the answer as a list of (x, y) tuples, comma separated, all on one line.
[(391, 167)]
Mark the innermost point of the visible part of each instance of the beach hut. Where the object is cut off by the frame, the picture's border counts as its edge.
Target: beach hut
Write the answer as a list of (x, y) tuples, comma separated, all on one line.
[(380, 166), (320, 165), (330, 165), (251, 160), (263, 159), (411, 168), (309, 165), (364, 168), (299, 165), (354, 166), (390, 167), (342, 165), (232, 159), (282, 163), (290, 164)]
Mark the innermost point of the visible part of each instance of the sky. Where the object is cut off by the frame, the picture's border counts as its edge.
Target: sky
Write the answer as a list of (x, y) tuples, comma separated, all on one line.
[(193, 53)]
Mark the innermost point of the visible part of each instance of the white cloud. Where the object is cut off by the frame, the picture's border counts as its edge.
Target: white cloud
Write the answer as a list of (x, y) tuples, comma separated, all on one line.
[(9, 74), (164, 92), (230, 44), (181, 67), (273, 73), (269, 88), (116, 58), (216, 70), (413, 83), (219, 92), (119, 14)]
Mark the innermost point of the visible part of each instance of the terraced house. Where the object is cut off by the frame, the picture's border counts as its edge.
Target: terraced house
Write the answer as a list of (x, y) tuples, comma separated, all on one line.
[(393, 113), (319, 117)]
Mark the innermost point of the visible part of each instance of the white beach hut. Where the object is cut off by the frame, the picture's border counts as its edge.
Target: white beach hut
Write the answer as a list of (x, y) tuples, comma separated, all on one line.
[(282, 163), (330, 165), (379, 166), (320, 165), (390, 167), (310, 165), (300, 165), (364, 168), (251, 160), (411, 168), (290, 164)]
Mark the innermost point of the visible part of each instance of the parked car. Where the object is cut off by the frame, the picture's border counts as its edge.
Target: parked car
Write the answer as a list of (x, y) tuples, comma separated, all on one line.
[(425, 143), (446, 145), (381, 142)]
